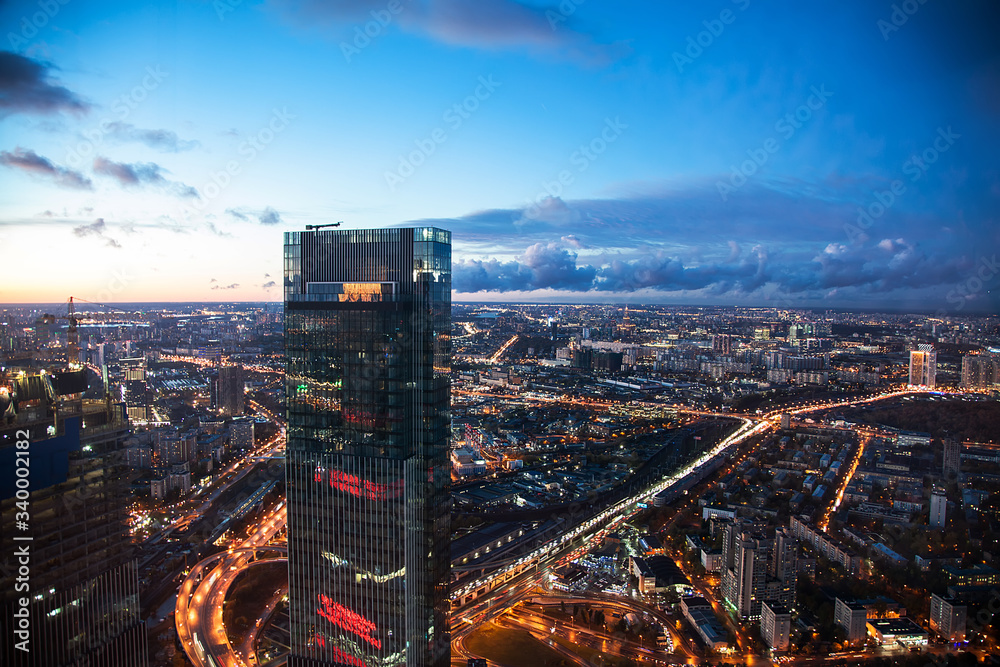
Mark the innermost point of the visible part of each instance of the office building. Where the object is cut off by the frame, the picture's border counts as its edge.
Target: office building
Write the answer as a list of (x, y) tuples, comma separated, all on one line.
[(231, 385), (135, 389), (939, 508), (947, 618), (81, 598), (367, 340), (775, 625), (923, 366)]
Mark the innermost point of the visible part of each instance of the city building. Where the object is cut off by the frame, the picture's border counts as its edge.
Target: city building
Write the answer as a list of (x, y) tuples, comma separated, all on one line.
[(947, 618), (951, 458), (756, 567), (231, 387), (80, 604), (775, 625), (902, 631), (698, 612), (367, 340), (135, 389), (853, 618), (939, 508), (923, 366), (241, 434), (980, 371)]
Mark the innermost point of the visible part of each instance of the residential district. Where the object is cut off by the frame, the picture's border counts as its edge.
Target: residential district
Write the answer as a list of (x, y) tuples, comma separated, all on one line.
[(630, 485)]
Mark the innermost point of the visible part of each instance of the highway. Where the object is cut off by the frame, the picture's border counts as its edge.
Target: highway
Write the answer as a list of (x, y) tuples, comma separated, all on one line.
[(198, 614)]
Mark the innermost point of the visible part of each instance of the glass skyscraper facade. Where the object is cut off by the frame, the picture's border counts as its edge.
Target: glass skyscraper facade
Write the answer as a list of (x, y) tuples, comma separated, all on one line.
[(367, 342)]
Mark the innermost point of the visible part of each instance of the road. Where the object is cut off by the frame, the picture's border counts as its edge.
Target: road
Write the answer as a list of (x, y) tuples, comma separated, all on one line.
[(198, 615)]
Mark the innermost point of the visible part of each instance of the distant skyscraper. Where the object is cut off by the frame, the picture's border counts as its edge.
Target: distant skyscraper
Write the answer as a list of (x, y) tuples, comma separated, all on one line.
[(939, 508), (231, 389), (367, 336), (952, 457), (923, 366), (135, 390), (79, 600)]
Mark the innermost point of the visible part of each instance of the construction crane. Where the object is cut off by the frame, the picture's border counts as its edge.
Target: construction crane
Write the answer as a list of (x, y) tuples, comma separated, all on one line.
[(332, 224)]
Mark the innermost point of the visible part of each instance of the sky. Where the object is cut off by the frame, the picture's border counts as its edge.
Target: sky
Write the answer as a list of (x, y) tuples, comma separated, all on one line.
[(730, 152)]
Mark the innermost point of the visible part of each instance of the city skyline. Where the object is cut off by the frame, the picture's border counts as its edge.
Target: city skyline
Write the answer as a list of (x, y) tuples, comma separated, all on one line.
[(701, 155)]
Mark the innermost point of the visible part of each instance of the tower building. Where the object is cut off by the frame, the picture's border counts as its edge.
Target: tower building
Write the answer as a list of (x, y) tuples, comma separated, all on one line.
[(367, 342)]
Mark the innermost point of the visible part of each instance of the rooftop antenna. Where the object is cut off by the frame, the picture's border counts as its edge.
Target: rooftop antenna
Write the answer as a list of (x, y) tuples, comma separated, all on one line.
[(332, 224)]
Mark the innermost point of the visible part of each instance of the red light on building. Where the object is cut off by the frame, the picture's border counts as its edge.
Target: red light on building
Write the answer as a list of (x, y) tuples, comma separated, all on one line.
[(351, 621), (361, 488)]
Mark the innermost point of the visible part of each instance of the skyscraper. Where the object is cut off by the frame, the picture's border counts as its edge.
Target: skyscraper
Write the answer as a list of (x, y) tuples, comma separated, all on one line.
[(367, 336), (923, 366), (231, 389), (71, 596)]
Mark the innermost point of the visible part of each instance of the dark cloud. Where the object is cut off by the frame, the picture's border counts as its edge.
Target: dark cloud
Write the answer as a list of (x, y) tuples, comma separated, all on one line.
[(25, 87), (269, 285), (31, 162), (141, 174), (483, 24), (98, 229), (161, 140)]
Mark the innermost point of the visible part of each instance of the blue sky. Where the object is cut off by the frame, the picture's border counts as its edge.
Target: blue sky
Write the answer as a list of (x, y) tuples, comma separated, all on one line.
[(714, 152)]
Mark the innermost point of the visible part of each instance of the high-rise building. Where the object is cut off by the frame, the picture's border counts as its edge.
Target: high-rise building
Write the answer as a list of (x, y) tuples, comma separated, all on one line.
[(72, 598), (951, 457), (722, 344), (367, 341), (948, 617), (980, 371), (853, 618), (775, 625), (758, 568), (923, 366), (230, 390), (939, 508), (135, 390)]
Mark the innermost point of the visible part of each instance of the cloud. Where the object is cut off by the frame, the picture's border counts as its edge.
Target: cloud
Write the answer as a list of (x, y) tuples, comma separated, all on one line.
[(98, 229), (31, 162), (269, 285), (483, 24), (542, 266), (266, 216), (140, 174), (232, 286), (161, 140), (269, 216), (25, 87)]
